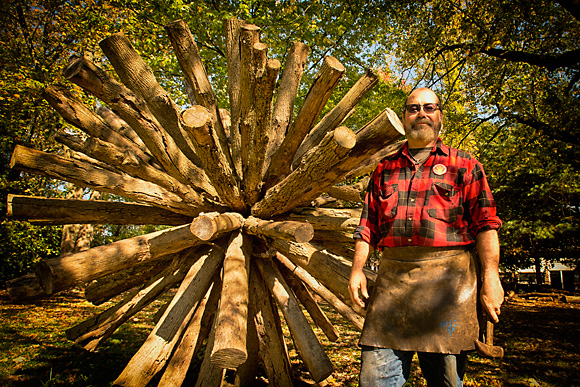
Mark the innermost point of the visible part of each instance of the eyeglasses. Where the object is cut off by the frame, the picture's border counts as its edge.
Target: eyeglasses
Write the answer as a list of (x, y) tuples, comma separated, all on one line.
[(428, 108)]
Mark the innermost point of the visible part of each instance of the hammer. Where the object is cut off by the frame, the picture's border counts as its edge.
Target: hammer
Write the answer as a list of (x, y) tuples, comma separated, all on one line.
[(487, 349)]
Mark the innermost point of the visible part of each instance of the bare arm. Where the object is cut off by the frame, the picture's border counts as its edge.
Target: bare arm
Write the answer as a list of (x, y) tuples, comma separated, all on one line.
[(358, 281), (487, 244)]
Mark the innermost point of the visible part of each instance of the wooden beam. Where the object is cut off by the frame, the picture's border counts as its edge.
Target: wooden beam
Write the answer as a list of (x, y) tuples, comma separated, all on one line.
[(207, 226), (120, 126), (305, 340), (368, 165), (346, 219), (40, 210), (289, 230), (322, 87)]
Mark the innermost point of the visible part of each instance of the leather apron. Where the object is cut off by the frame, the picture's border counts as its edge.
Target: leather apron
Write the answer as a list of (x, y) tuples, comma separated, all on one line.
[(425, 300)]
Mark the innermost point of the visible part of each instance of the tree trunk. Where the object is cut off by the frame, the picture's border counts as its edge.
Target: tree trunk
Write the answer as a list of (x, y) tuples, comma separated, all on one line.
[(121, 127), (207, 226), (289, 230)]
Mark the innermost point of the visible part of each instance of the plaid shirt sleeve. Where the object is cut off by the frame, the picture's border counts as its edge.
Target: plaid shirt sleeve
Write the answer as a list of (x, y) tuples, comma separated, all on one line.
[(445, 201)]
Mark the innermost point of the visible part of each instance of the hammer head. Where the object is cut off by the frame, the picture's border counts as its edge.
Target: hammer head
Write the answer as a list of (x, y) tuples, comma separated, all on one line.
[(489, 351)]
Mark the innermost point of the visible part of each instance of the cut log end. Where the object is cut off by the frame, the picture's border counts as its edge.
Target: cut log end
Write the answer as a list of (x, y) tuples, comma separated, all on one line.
[(228, 358), (345, 137)]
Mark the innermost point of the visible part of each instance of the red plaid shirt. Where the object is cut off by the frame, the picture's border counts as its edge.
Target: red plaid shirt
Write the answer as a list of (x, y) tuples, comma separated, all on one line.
[(445, 201)]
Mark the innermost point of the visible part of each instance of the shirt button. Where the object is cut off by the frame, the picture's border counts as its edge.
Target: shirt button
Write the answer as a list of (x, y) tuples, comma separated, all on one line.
[(412, 200), (410, 219), (409, 240)]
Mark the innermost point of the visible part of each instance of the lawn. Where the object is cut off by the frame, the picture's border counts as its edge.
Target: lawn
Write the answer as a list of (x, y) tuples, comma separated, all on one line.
[(541, 337)]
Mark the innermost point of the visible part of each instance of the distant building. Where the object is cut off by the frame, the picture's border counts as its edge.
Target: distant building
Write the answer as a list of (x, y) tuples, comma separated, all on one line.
[(556, 275)]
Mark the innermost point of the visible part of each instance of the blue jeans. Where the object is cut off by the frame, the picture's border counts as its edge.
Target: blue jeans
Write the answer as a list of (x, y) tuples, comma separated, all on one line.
[(386, 367)]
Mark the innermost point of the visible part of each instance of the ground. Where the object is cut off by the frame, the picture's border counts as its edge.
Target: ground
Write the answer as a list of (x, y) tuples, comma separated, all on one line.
[(540, 335)]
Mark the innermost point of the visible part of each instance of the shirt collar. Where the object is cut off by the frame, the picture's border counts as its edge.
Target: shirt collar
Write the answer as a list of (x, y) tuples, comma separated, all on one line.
[(438, 148)]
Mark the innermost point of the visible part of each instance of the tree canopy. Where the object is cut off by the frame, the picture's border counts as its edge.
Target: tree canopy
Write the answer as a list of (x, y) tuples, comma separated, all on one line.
[(508, 72)]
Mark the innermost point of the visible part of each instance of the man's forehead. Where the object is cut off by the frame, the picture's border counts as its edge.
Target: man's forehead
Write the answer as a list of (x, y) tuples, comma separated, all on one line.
[(423, 96)]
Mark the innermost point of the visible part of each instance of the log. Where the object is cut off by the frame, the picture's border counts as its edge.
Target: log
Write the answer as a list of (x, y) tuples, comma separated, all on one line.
[(305, 340), (329, 237), (289, 230), (39, 210), (322, 291), (331, 270), (139, 77), (93, 331), (193, 337), (76, 113), (291, 191), (207, 226), (368, 165), (323, 167), (337, 115), (248, 371), (322, 87), (272, 348), (135, 112), (103, 289), (86, 175), (260, 131), (345, 219), (154, 353), (210, 375), (349, 193), (25, 288), (288, 89), (232, 29), (311, 306), (60, 273), (198, 123), (196, 75), (229, 348), (127, 161), (121, 127), (345, 250)]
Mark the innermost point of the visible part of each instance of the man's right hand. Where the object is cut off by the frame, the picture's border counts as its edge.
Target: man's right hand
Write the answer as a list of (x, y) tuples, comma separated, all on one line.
[(358, 287)]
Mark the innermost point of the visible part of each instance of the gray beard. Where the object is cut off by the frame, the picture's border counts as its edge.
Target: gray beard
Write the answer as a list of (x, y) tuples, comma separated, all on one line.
[(423, 135)]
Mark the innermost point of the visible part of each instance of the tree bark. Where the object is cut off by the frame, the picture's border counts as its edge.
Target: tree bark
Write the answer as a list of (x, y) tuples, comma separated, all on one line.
[(272, 348), (324, 166), (289, 84), (370, 164), (25, 288), (322, 87), (344, 310), (157, 349), (135, 112), (123, 128), (289, 230), (210, 375), (349, 193), (207, 226), (229, 349), (198, 123), (337, 115), (305, 340), (39, 210), (139, 77), (60, 273), (345, 219), (85, 175)]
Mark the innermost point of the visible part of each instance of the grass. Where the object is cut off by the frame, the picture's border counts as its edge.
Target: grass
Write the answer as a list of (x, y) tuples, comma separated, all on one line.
[(541, 339)]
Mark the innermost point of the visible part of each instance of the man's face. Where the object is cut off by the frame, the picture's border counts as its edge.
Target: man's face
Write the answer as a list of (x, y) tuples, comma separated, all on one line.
[(421, 128)]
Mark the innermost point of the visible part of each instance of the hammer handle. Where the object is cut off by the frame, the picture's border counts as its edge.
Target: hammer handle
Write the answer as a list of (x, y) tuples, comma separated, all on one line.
[(488, 331)]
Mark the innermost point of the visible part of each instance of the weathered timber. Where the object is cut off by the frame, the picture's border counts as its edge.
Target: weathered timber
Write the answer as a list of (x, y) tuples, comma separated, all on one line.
[(252, 62), (337, 115), (193, 337), (247, 372), (324, 201), (127, 161), (25, 288), (40, 210), (344, 310), (86, 175), (260, 130), (79, 115), (305, 340), (229, 348), (139, 77), (303, 182), (103, 289), (311, 306), (154, 353), (207, 226), (272, 348), (288, 89), (232, 29), (331, 270), (368, 165), (121, 127), (210, 375), (323, 166), (93, 331), (328, 237), (350, 193), (322, 87), (60, 273), (289, 230), (330, 243), (346, 219), (75, 144), (198, 123), (135, 112), (196, 75)]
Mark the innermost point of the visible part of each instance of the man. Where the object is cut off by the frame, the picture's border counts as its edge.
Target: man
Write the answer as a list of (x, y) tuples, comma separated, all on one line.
[(425, 208)]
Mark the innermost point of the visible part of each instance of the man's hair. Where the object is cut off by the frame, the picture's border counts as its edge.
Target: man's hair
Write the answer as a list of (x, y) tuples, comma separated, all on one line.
[(426, 88)]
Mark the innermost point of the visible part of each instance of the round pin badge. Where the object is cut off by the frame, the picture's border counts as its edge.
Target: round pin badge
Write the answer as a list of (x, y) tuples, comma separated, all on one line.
[(439, 169)]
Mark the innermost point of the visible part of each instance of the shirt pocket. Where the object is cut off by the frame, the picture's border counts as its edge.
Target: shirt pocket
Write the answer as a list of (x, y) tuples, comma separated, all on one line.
[(388, 198), (445, 203)]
